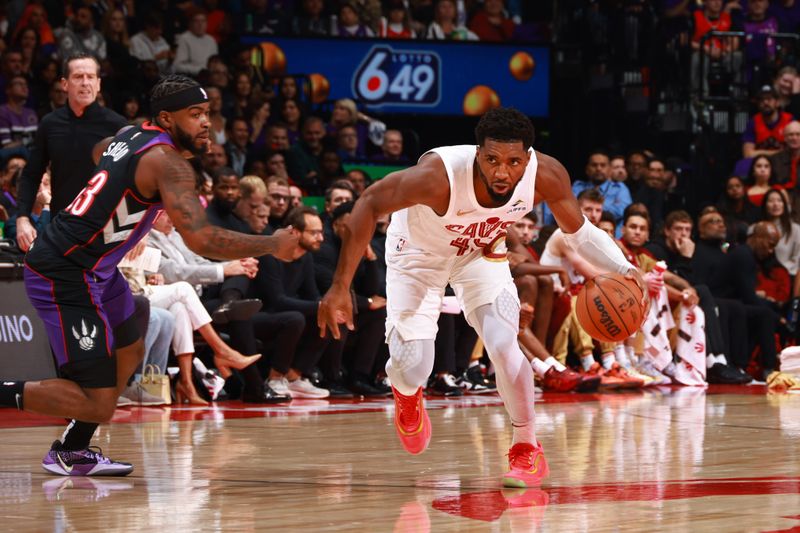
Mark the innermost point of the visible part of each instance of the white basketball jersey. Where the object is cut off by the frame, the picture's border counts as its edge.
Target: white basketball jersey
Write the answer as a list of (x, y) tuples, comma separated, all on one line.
[(467, 226), (550, 259)]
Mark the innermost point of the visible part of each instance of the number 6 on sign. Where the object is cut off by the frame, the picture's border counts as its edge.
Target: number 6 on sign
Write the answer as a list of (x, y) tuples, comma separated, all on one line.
[(85, 198), (373, 82), (398, 77)]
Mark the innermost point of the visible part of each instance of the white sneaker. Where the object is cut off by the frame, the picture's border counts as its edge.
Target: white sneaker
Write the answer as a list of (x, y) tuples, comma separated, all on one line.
[(122, 401), (280, 386), (302, 388), (636, 373), (138, 396), (647, 368)]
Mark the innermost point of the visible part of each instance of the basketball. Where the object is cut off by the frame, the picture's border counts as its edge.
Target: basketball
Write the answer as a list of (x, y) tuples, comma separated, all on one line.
[(609, 307)]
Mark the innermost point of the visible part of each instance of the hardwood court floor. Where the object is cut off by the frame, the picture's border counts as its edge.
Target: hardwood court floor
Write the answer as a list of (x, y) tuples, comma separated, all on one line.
[(686, 460)]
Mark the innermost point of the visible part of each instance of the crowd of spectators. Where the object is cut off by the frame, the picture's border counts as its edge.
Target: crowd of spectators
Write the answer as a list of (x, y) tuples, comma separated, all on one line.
[(272, 150)]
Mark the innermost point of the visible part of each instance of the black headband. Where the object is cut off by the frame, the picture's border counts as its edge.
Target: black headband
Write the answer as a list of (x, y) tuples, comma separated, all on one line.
[(180, 100)]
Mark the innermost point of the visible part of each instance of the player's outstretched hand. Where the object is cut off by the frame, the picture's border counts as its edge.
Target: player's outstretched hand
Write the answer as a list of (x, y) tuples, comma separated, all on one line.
[(285, 243), (335, 308)]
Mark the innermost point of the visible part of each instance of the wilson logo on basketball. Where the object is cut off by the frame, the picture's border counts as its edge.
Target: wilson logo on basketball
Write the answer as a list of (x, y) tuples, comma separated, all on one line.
[(605, 320)]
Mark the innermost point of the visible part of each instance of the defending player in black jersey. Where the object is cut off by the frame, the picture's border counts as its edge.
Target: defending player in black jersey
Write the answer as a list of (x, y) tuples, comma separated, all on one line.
[(71, 271)]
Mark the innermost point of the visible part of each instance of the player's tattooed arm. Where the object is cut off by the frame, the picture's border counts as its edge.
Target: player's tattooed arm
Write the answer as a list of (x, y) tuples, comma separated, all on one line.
[(176, 183)]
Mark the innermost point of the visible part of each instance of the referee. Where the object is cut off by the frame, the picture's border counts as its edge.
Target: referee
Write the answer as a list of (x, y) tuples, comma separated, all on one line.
[(64, 140)]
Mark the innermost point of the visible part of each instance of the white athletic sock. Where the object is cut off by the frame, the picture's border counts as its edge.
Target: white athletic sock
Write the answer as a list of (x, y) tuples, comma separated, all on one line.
[(587, 361), (608, 360), (711, 360), (552, 361), (539, 367), (622, 356), (524, 433), (722, 359), (632, 357)]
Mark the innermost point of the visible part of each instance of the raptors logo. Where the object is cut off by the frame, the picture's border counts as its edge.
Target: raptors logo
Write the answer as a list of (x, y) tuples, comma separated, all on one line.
[(84, 338)]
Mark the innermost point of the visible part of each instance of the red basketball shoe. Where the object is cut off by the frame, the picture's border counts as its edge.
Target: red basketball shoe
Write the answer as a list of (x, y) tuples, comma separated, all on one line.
[(527, 466), (411, 421), (564, 381)]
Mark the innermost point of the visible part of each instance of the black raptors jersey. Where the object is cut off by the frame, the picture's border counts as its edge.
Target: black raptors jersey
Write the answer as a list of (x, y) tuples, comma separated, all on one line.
[(109, 216)]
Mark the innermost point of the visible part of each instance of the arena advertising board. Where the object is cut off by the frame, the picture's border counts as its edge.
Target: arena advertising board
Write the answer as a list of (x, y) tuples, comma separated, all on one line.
[(413, 76), (24, 348)]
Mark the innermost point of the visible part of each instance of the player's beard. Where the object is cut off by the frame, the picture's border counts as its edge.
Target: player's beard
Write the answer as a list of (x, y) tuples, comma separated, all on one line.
[(496, 197), (186, 142)]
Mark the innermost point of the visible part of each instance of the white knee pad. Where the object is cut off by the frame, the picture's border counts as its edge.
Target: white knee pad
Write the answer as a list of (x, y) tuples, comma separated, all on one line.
[(410, 362), (497, 323), (405, 354), (507, 307)]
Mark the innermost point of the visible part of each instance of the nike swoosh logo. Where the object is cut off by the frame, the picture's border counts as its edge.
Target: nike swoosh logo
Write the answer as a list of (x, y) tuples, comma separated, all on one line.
[(462, 213), (535, 465), (67, 469), (18, 398)]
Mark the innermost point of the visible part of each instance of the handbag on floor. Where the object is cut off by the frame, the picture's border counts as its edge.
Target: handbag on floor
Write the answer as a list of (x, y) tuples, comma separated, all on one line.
[(156, 383)]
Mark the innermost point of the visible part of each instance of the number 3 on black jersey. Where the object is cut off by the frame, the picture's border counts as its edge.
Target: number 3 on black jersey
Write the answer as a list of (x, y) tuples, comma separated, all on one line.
[(86, 197)]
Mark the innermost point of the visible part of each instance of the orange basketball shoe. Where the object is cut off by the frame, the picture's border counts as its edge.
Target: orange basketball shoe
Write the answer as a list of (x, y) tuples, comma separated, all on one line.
[(527, 466), (606, 381), (628, 381), (411, 421)]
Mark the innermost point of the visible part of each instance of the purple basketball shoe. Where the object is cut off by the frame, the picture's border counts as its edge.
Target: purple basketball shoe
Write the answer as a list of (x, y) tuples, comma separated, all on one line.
[(88, 462)]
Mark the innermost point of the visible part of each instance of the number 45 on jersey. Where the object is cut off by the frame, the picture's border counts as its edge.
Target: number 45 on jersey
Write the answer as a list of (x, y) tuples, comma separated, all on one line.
[(398, 77)]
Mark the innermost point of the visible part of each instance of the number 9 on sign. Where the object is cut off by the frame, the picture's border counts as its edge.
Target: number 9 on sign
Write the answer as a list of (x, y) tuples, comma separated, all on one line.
[(398, 77)]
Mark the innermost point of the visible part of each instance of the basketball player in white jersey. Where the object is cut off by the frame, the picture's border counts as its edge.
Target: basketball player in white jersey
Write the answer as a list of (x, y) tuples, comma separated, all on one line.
[(451, 213)]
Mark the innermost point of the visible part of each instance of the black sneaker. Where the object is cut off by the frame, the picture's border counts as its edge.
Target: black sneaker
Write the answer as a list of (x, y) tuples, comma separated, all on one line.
[(445, 386), (744, 377), (86, 462), (382, 384), (267, 395), (336, 389), (473, 382), (362, 386), (722, 374)]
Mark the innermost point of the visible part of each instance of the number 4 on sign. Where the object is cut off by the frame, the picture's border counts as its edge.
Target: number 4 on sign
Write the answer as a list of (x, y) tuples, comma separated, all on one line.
[(401, 84), (412, 79)]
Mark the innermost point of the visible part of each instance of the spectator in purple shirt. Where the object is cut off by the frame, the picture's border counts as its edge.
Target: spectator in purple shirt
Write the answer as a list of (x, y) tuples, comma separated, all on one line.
[(787, 13), (18, 123), (759, 26)]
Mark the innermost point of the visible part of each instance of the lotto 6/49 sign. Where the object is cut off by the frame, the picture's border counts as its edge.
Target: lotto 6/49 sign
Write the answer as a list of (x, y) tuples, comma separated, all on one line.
[(398, 77), (423, 77)]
